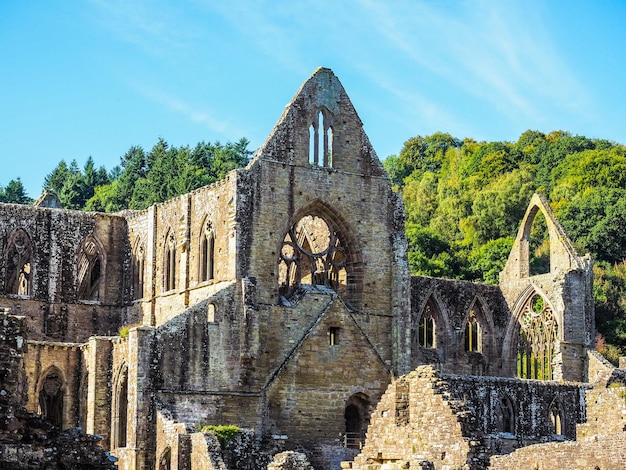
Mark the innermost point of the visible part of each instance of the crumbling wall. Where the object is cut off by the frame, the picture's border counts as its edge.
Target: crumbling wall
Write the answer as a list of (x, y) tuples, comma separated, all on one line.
[(453, 301), (27, 441), (52, 306), (451, 421)]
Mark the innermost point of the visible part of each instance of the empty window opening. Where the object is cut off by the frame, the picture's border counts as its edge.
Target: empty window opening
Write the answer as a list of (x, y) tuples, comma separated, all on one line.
[(312, 253), (539, 246), (51, 398), (169, 274), (472, 333), (165, 461), (18, 264), (89, 271), (556, 419), (121, 411), (505, 416), (333, 336), (207, 253), (138, 272), (426, 328), (537, 339), (211, 313), (320, 149)]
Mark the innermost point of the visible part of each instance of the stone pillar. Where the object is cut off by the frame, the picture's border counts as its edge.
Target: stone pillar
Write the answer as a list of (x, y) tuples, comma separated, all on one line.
[(141, 416), (97, 358)]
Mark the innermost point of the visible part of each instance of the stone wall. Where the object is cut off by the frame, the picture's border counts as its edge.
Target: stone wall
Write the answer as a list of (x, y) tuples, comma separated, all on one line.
[(450, 421), (452, 301), (27, 441)]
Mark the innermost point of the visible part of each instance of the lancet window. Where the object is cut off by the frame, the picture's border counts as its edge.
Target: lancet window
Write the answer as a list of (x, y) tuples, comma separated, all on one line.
[(311, 253), (169, 263), (426, 328), (505, 416), (556, 418), (90, 270), (19, 254), (207, 253), (321, 140), (537, 339), (120, 414), (139, 257), (472, 331)]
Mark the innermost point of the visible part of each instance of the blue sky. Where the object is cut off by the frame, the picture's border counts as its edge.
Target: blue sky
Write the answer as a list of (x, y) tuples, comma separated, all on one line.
[(94, 77)]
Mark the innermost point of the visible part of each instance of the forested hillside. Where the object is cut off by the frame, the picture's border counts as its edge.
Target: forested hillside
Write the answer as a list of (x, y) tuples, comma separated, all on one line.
[(465, 199)]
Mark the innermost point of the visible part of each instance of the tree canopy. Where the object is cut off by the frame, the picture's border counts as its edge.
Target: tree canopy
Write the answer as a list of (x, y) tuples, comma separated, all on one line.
[(145, 178)]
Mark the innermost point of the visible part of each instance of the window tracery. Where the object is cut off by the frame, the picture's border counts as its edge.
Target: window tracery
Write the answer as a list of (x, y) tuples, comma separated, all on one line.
[(169, 263), (89, 271), (207, 253), (19, 253), (311, 253), (472, 331), (537, 340), (426, 327)]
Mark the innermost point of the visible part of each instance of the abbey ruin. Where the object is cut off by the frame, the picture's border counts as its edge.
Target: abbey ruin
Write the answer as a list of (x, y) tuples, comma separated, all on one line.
[(280, 300)]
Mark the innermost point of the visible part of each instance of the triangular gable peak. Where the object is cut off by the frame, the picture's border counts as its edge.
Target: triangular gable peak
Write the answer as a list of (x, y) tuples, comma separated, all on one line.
[(563, 256), (320, 128)]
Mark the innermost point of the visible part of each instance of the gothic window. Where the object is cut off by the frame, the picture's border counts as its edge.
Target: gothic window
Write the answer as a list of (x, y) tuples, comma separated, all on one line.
[(321, 140), (311, 253), (165, 461), (207, 253), (426, 327), (537, 339), (89, 270), (505, 415), (169, 263), (51, 397), (18, 263), (138, 270), (120, 409), (472, 331), (556, 418)]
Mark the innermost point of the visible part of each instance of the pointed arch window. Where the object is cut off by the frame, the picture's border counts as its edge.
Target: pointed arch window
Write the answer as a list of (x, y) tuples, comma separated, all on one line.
[(120, 407), (207, 253), (426, 330), (312, 253), (51, 397), (169, 263), (473, 340), (505, 416), (139, 257), (537, 339), (556, 418), (90, 270), (18, 263), (321, 140)]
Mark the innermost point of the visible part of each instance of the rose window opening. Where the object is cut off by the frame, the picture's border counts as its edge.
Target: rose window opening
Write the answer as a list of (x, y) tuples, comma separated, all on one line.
[(311, 253)]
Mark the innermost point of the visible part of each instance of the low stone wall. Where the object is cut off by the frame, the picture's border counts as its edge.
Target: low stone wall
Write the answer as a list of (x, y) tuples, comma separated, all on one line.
[(606, 452)]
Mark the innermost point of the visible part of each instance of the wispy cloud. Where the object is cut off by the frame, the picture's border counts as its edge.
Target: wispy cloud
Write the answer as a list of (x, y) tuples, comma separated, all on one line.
[(153, 27), (499, 52)]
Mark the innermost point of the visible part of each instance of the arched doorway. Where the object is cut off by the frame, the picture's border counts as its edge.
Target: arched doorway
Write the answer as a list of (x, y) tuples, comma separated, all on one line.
[(51, 397), (356, 417)]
